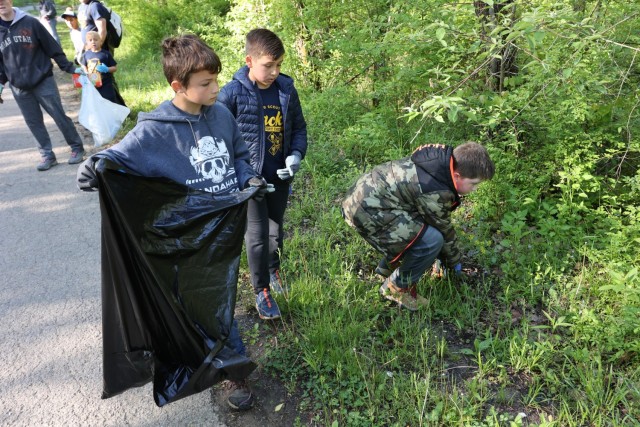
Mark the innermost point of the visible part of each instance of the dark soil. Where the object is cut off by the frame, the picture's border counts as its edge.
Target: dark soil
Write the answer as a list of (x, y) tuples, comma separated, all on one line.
[(275, 405)]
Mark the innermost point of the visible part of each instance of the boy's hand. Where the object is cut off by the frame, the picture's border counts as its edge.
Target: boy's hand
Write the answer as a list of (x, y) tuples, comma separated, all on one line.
[(438, 270), (457, 269), (263, 187), (284, 174), (292, 164), (78, 70), (101, 68)]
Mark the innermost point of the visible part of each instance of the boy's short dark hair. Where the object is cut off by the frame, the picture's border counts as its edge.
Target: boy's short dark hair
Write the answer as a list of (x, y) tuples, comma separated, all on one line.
[(187, 54), (471, 160), (263, 42)]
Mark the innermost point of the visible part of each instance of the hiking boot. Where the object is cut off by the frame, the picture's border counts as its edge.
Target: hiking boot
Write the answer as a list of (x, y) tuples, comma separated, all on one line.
[(422, 301), (46, 163), (275, 283), (400, 296), (267, 306), (241, 398), (76, 157)]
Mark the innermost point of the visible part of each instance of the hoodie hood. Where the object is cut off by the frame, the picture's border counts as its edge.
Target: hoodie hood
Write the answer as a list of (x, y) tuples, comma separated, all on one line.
[(19, 14), (434, 163), (168, 112)]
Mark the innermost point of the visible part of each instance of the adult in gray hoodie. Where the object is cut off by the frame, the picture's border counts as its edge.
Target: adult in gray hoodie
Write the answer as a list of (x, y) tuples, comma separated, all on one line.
[(26, 50)]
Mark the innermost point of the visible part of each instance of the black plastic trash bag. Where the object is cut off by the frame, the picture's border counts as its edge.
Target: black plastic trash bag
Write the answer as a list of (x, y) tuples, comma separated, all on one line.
[(170, 259)]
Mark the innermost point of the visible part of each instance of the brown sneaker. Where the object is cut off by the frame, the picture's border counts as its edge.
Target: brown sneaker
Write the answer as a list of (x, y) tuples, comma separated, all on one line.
[(422, 301), (400, 296)]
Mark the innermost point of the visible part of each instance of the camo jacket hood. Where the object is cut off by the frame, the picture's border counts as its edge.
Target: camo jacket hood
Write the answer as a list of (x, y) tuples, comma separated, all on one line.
[(391, 206)]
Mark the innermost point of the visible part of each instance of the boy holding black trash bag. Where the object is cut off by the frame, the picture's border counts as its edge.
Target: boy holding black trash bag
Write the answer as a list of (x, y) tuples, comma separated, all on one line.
[(193, 142)]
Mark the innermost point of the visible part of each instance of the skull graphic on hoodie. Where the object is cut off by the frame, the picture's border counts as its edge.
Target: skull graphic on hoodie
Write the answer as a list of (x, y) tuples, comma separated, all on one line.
[(210, 158)]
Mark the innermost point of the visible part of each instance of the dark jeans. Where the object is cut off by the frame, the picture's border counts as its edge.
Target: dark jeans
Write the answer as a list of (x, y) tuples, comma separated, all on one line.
[(264, 235), (235, 341), (46, 95)]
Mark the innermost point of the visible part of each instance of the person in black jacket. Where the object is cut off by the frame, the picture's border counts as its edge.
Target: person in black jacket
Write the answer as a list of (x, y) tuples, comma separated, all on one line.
[(26, 50), (266, 106)]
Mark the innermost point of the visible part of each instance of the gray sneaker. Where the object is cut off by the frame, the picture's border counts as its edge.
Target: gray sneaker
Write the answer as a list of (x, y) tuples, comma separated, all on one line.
[(241, 398), (76, 157), (276, 285), (46, 163)]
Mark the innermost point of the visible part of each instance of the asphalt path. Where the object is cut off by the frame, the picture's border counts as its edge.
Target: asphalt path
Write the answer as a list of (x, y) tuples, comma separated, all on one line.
[(50, 309)]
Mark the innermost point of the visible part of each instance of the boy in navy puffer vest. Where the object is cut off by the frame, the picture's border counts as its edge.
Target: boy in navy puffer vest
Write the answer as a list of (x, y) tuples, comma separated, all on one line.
[(267, 109)]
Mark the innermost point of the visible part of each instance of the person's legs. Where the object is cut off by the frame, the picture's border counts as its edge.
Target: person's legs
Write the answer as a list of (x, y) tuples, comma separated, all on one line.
[(50, 25), (241, 397), (418, 258), (30, 109), (257, 244), (53, 23), (277, 204), (48, 96), (235, 340), (400, 287), (119, 98)]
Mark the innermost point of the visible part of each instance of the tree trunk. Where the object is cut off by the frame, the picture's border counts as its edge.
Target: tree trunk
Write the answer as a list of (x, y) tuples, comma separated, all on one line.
[(503, 64)]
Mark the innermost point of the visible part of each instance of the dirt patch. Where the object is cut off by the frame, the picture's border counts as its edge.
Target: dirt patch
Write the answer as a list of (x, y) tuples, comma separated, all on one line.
[(275, 404)]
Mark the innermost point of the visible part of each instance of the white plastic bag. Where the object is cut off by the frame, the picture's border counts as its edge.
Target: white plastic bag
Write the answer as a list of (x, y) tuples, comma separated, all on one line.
[(100, 116)]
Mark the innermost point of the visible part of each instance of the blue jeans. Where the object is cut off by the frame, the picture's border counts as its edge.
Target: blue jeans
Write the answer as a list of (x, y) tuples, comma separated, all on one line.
[(235, 340), (418, 258), (46, 94)]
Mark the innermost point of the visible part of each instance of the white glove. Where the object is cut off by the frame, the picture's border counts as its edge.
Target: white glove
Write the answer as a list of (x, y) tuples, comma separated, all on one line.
[(292, 164)]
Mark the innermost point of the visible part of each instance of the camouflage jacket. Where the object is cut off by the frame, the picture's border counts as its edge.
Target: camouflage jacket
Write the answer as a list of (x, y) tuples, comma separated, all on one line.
[(391, 206)]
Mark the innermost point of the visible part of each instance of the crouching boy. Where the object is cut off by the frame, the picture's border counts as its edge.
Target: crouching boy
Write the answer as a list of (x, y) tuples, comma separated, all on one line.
[(403, 209)]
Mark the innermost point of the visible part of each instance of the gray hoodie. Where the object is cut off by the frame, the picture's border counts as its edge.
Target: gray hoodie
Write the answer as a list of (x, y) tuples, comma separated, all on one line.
[(204, 151)]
